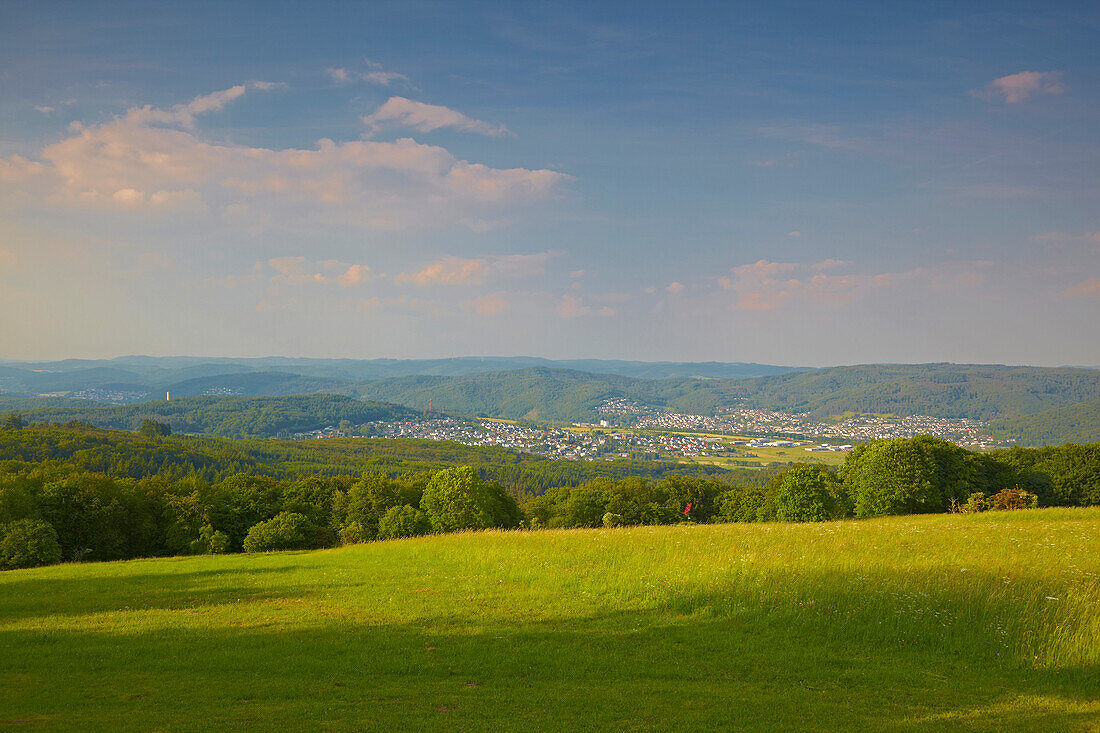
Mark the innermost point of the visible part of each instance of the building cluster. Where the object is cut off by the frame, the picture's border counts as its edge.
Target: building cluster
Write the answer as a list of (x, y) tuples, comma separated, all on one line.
[(551, 442), (745, 421), (620, 406)]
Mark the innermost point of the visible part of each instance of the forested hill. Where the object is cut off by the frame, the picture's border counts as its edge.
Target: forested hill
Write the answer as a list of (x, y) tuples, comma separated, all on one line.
[(981, 392), (940, 390), (122, 454), (229, 417), (1078, 423), (138, 378)]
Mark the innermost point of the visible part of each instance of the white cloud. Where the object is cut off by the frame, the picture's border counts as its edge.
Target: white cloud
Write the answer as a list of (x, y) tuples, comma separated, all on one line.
[(402, 112), (184, 114), (375, 74), (155, 157), (1015, 88), (573, 306)]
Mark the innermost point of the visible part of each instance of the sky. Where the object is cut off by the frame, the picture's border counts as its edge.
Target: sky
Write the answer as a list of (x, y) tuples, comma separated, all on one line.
[(789, 182)]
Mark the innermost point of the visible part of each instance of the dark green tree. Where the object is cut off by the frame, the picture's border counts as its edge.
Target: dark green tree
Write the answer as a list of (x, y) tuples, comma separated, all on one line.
[(152, 429), (807, 493), (403, 521), (458, 499), (284, 531), (28, 543)]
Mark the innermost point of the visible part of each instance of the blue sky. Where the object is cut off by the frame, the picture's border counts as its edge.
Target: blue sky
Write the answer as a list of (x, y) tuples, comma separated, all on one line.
[(798, 183)]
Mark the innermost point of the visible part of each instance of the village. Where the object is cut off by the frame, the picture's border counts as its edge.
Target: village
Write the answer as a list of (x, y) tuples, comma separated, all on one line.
[(650, 434)]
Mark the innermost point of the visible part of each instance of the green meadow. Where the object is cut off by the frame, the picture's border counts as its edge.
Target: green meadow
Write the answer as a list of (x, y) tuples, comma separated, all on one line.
[(938, 622)]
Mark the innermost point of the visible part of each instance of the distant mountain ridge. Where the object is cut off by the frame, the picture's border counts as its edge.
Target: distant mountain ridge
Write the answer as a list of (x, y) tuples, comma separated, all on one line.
[(160, 373), (531, 390)]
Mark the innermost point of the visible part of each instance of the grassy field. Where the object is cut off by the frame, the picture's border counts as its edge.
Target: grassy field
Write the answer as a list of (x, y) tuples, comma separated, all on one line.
[(985, 622)]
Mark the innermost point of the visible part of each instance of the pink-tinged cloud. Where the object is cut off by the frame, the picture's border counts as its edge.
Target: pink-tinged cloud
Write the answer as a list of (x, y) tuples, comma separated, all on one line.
[(449, 271), (1088, 289), (402, 112), (1015, 88), (765, 285), (490, 305), (573, 306), (300, 270), (157, 158), (674, 287), (354, 275), (184, 114), (472, 271), (1089, 237), (763, 269)]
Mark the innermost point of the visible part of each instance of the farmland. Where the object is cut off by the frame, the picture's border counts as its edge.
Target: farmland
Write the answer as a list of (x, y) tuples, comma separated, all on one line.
[(976, 622)]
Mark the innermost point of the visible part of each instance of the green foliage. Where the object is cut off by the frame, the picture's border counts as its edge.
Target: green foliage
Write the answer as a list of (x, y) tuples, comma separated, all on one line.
[(1078, 423), (976, 503), (403, 521), (15, 421), (941, 390), (284, 531), (457, 499), (229, 417), (210, 542), (901, 476), (808, 493), (27, 543), (152, 429)]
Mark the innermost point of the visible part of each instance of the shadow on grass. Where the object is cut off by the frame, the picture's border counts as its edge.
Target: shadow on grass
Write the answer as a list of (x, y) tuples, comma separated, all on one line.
[(42, 596), (652, 669)]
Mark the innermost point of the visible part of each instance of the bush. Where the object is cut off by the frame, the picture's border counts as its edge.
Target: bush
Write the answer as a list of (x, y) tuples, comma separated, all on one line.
[(610, 519), (210, 542), (28, 543), (403, 521), (1015, 499), (806, 494), (353, 534), (284, 531), (457, 499), (901, 476), (975, 503)]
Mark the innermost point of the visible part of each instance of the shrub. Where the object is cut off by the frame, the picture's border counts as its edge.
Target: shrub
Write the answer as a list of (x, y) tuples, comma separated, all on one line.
[(457, 499), (975, 503), (900, 476), (610, 519), (353, 534), (1015, 499), (806, 494), (28, 543), (403, 521), (284, 531), (210, 542)]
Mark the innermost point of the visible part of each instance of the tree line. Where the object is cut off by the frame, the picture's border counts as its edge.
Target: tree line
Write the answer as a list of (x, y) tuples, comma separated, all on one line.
[(56, 510)]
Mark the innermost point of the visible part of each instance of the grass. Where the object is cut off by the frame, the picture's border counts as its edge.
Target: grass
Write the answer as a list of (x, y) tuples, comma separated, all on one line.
[(984, 622)]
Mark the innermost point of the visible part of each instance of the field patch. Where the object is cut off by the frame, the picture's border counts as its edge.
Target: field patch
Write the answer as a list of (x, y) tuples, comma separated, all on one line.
[(983, 622)]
